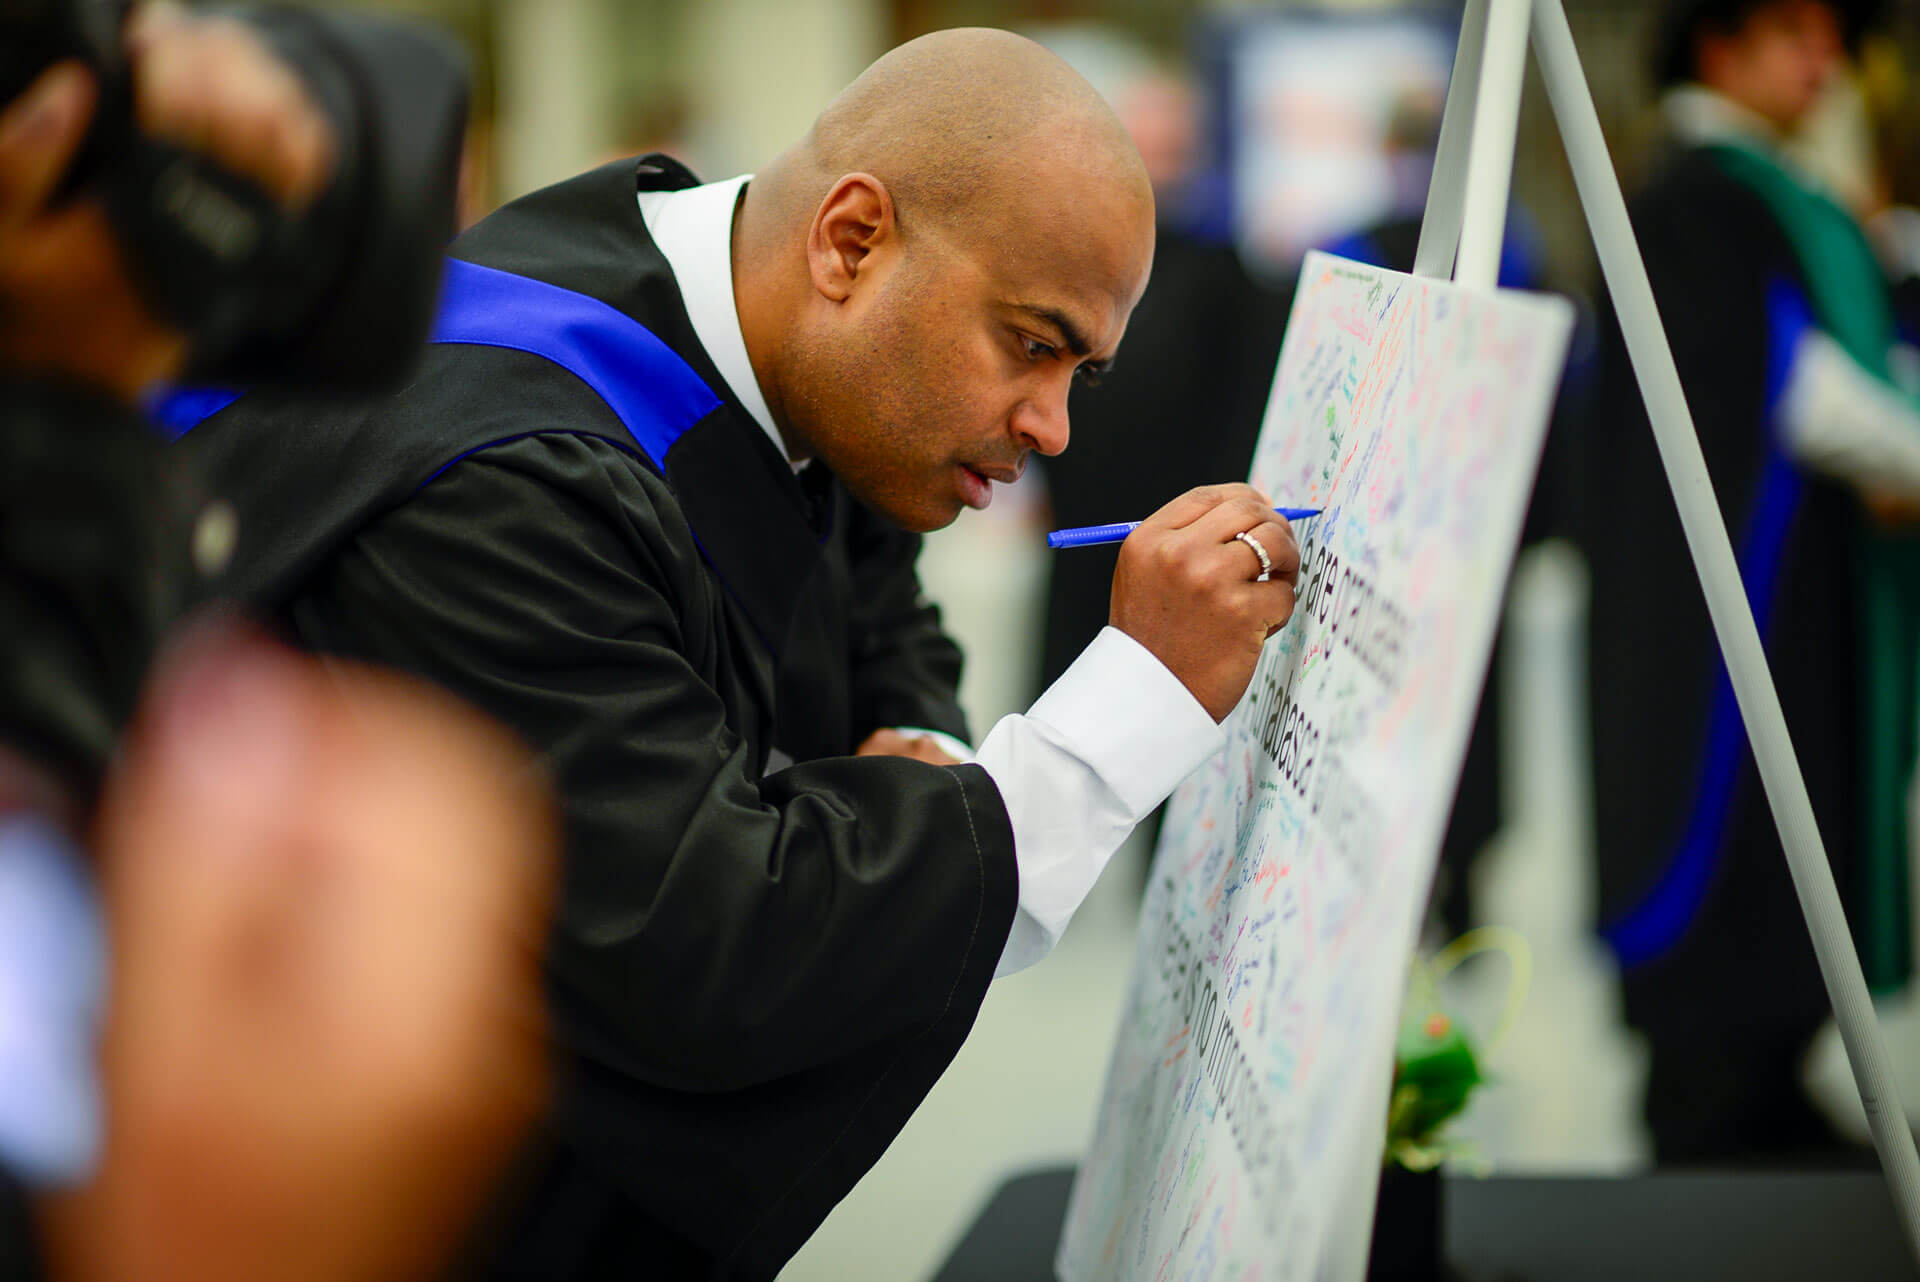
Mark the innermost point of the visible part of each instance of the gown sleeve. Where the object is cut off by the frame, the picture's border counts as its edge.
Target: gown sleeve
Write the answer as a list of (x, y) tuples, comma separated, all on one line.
[(754, 980), (718, 930)]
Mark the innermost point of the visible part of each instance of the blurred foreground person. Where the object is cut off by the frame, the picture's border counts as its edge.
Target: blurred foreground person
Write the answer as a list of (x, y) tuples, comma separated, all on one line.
[(325, 888), (1783, 332), (654, 500), (325, 893)]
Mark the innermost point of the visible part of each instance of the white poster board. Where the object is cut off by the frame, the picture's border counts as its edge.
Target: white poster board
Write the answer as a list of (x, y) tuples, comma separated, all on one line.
[(1240, 1133)]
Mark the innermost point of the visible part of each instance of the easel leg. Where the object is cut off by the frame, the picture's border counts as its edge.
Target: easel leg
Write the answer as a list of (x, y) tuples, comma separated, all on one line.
[(1496, 121), (1447, 193), (1686, 469)]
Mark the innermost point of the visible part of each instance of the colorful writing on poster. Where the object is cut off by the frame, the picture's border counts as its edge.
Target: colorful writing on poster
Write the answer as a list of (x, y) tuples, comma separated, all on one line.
[(1240, 1132)]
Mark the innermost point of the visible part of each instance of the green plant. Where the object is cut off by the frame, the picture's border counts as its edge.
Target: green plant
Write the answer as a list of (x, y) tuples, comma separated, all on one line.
[(1435, 1066)]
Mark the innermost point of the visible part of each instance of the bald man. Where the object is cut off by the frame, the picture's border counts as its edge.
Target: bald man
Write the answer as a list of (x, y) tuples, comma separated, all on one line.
[(654, 501)]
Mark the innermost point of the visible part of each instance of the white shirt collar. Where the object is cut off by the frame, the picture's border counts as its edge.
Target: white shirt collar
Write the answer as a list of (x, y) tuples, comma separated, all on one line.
[(693, 229), (1698, 116)]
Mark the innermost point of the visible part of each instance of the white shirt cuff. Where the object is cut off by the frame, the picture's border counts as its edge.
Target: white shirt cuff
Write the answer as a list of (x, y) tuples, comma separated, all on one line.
[(1837, 418), (1100, 749)]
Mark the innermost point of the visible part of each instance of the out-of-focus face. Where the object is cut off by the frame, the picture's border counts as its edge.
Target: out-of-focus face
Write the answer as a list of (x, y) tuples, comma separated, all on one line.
[(1160, 115), (953, 360), (1776, 64)]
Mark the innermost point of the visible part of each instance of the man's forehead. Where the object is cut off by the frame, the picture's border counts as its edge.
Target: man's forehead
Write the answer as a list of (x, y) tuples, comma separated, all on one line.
[(1087, 296), (1068, 223)]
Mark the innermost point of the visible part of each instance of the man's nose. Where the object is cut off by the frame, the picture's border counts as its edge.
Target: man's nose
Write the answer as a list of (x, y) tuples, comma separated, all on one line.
[(1041, 422)]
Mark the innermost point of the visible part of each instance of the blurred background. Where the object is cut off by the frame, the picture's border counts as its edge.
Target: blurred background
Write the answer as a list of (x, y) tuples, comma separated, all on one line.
[(1269, 129)]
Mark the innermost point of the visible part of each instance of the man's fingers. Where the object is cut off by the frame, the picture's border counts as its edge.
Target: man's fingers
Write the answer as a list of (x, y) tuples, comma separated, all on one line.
[(1275, 536), (892, 743), (1195, 504), (193, 827), (1241, 512), (211, 86), (151, 22), (425, 810), (921, 748), (39, 132), (326, 1031)]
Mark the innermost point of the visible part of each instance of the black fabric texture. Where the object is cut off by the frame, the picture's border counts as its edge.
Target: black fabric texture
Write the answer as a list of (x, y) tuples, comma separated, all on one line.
[(20, 1259), (94, 529)]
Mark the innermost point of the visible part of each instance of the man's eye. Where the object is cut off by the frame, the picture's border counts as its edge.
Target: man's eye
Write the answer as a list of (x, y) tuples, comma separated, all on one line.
[(1088, 375), (1036, 350)]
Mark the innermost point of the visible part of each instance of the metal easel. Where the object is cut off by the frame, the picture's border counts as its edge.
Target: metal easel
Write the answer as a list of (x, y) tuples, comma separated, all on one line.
[(1460, 239)]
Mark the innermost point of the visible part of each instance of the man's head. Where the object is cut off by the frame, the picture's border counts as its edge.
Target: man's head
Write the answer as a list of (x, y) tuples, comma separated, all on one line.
[(1772, 57), (961, 233)]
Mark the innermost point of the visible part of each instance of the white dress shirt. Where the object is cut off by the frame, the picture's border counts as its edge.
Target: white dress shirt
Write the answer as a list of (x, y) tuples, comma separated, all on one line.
[(1094, 755)]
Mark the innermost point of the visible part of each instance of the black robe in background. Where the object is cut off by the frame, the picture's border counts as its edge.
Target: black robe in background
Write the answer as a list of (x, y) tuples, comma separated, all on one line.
[(758, 972), (1730, 1006)]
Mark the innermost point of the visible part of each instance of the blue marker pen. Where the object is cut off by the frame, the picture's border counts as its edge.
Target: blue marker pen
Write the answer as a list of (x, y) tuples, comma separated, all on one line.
[(1088, 535)]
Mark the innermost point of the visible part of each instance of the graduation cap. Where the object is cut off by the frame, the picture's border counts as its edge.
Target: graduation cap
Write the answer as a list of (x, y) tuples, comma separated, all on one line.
[(1681, 22)]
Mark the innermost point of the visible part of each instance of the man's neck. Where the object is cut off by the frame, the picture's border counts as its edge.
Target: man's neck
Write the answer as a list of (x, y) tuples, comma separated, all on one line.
[(756, 297)]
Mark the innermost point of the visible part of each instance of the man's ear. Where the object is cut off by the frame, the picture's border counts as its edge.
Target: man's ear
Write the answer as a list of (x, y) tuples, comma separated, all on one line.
[(855, 219)]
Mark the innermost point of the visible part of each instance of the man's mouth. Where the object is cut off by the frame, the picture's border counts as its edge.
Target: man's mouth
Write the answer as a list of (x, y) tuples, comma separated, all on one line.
[(976, 490), (977, 482)]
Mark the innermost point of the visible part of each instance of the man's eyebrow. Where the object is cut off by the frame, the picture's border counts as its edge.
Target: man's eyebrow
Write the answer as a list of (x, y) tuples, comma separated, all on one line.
[(1075, 340)]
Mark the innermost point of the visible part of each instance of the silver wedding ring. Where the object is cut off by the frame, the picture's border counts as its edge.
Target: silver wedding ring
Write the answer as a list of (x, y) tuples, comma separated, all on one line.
[(1266, 562)]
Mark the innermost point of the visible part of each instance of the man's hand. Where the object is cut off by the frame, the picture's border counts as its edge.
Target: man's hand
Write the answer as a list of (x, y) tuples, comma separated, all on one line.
[(326, 893), (212, 86), (67, 302), (1185, 589), (892, 743), (1891, 510)]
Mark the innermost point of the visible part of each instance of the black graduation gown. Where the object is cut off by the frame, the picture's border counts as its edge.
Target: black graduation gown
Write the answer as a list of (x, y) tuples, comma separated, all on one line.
[(757, 972), (1731, 1002), (95, 523)]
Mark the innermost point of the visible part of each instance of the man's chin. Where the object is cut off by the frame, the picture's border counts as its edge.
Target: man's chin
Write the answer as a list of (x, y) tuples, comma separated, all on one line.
[(913, 514), (926, 522)]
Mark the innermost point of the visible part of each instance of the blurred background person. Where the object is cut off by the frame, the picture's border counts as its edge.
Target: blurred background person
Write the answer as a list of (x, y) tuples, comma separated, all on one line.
[(1782, 327), (325, 890)]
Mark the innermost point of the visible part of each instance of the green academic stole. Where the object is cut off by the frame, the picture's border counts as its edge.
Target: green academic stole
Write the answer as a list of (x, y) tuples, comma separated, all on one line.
[(1848, 291)]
